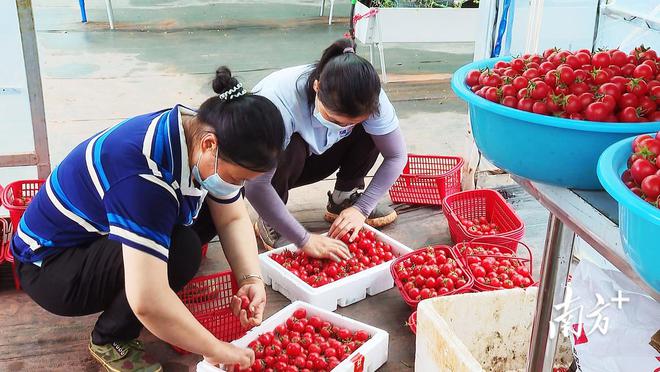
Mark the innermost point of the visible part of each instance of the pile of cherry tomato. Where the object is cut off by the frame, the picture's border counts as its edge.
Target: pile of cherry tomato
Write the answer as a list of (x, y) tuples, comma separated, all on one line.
[(494, 269), (480, 226), (366, 249), (430, 272), (304, 344), (643, 174), (22, 202), (609, 86)]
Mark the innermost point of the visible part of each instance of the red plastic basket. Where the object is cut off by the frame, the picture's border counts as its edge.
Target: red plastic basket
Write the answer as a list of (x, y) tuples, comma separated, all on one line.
[(505, 252), (482, 203), (427, 179), (449, 252), (208, 298), (412, 322), (19, 189)]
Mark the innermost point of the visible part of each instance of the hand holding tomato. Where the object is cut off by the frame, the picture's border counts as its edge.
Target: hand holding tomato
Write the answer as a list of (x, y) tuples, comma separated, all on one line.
[(251, 290)]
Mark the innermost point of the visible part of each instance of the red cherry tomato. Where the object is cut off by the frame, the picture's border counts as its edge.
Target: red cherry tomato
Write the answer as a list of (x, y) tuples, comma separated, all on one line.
[(643, 71), (596, 111), (601, 60), (641, 169), (651, 187), (472, 77)]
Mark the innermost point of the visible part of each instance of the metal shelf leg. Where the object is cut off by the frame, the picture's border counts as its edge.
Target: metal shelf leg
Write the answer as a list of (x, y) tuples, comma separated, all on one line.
[(554, 274)]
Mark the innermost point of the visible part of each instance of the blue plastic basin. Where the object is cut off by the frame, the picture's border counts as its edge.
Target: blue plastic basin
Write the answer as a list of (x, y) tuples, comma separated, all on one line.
[(542, 148), (639, 222)]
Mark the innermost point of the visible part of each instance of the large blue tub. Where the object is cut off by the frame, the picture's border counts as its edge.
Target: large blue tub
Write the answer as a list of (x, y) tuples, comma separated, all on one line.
[(542, 148), (639, 222)]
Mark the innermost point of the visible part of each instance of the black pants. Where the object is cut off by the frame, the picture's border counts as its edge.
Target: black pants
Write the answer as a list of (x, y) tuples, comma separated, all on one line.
[(86, 280), (354, 156)]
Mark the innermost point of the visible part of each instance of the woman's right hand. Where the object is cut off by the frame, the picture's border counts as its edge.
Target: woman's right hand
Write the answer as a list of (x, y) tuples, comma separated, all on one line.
[(319, 246), (231, 355)]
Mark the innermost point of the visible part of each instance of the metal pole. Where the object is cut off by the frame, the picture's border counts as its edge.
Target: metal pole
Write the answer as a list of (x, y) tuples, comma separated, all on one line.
[(35, 92), (554, 273), (596, 26)]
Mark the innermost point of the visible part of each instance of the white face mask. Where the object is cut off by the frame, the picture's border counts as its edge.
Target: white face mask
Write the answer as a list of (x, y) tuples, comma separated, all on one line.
[(327, 123), (214, 184)]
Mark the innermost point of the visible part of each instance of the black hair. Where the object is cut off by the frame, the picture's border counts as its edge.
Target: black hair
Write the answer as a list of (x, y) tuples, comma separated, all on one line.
[(349, 84), (249, 128)]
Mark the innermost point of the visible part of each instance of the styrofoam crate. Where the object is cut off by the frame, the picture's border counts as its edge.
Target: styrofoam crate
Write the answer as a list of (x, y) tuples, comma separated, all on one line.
[(343, 292), (374, 351), (477, 332)]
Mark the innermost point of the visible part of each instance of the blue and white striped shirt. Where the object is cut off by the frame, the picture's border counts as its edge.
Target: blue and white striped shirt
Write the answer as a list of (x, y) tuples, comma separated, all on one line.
[(131, 182)]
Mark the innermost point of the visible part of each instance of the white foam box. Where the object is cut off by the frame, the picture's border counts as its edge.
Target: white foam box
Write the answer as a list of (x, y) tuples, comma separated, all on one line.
[(343, 292), (477, 332), (372, 354)]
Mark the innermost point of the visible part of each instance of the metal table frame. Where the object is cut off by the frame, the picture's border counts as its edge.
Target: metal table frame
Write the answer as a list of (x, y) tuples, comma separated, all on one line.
[(570, 215)]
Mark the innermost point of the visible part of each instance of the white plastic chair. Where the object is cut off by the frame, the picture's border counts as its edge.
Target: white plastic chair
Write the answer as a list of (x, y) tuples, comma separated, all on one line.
[(332, 7)]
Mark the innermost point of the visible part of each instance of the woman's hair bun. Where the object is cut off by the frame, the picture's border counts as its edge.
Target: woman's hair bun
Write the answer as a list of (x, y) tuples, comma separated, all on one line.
[(223, 80)]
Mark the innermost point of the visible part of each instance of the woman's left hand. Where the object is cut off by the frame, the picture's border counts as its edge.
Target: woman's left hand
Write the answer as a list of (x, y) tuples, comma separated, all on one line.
[(349, 219), (254, 290)]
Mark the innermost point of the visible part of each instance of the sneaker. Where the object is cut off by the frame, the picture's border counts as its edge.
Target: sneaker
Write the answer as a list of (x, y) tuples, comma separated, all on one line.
[(124, 356), (268, 236), (381, 216)]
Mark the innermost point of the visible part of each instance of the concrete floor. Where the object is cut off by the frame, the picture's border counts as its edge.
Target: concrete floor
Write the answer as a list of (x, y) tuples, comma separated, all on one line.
[(165, 52)]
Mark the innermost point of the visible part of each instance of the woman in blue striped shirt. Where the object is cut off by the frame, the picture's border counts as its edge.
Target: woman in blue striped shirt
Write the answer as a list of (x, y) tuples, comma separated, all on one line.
[(119, 224)]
